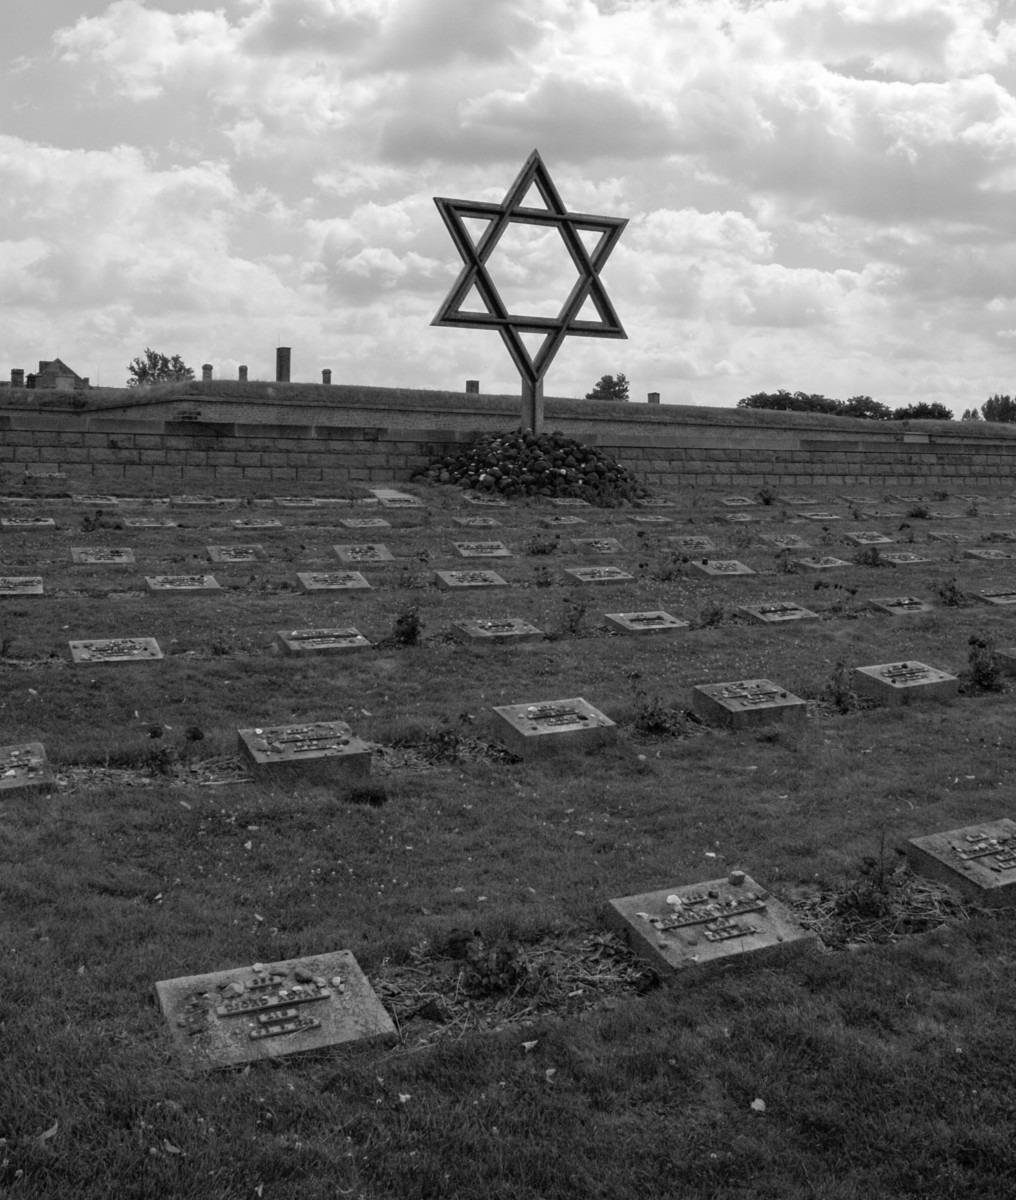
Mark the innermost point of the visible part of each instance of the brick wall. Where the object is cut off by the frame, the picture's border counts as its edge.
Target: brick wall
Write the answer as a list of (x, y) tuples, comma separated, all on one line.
[(258, 440)]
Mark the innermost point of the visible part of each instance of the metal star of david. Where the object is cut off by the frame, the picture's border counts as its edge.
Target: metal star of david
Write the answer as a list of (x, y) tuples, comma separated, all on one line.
[(510, 326)]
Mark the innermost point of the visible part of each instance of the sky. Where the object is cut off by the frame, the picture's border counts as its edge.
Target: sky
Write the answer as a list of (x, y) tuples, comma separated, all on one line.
[(819, 193)]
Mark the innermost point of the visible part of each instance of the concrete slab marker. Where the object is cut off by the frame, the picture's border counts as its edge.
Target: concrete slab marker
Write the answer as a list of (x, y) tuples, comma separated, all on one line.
[(978, 860), (21, 585), (319, 751), (321, 641), (469, 579), (115, 650), (333, 581), (501, 630), (24, 767), (181, 585), (904, 682), (656, 621), (236, 554), (824, 563), (366, 552), (477, 522), (599, 574), (743, 703), (26, 524), (606, 545), (900, 606), (365, 523), (720, 566), (534, 728), (778, 612), (107, 556), (1002, 599), (482, 549)]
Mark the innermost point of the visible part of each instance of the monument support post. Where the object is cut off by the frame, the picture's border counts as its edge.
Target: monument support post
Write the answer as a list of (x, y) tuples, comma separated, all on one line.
[(532, 404)]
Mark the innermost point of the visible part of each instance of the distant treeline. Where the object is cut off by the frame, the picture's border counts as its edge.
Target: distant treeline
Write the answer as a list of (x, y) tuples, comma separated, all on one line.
[(862, 407)]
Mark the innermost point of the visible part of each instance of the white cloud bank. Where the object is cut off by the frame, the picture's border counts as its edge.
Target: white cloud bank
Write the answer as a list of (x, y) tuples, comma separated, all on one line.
[(820, 192)]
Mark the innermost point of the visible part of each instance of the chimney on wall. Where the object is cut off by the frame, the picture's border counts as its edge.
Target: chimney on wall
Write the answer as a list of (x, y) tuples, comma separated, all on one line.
[(206, 372), (326, 377), (241, 373), (472, 387), (654, 397), (17, 377), (283, 355)]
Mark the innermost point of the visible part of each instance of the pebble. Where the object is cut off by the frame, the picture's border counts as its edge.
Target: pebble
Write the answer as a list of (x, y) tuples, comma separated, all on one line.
[(336, 981), (302, 975), (258, 968), (234, 989)]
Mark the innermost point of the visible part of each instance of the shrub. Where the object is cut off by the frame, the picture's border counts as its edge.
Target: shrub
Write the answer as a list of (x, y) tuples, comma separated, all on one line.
[(985, 669)]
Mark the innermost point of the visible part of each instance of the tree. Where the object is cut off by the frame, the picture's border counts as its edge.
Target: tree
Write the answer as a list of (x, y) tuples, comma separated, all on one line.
[(866, 408), (923, 410), (157, 368), (999, 408), (970, 414), (610, 387)]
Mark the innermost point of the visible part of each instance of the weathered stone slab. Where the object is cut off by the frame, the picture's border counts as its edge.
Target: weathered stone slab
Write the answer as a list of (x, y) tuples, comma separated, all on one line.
[(568, 502), (297, 501), (798, 500), (900, 606), (650, 519), (198, 501), (24, 767), (656, 502), (105, 556), (599, 574), (1003, 535), (989, 555), (482, 549), (477, 522), (1006, 656), (181, 585), (365, 523), (320, 751), (978, 860), (786, 541), (27, 524), (702, 926), (822, 516), (534, 728), (364, 552), (777, 612), (953, 539), (694, 544), (1001, 598), (149, 523), (90, 499), (561, 522), (607, 545), (236, 554), (257, 523), (740, 518), (904, 682), (469, 579), (225, 1018), (332, 581), (21, 585), (720, 566), (493, 629), (115, 650), (867, 537), (485, 499), (903, 558), (824, 562), (741, 703), (737, 501), (656, 621), (321, 641)]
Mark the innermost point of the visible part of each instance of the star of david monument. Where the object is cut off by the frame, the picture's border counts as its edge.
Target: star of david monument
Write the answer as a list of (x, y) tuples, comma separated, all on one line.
[(475, 279)]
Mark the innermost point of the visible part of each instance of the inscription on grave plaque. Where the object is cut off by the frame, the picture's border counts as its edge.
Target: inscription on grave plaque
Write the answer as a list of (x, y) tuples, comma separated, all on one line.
[(505, 629), (27, 523), (773, 614), (695, 927), (467, 579), (599, 545), (645, 622), (181, 584), (227, 1018), (318, 749), (899, 606), (115, 650), (118, 556), (694, 543), (824, 563), (20, 585), (903, 682), (477, 522), (1003, 599), (482, 549), (532, 728), (744, 702), (332, 581), (367, 552), (236, 554), (978, 860), (365, 523), (322, 641), (599, 574), (721, 566), (24, 767)]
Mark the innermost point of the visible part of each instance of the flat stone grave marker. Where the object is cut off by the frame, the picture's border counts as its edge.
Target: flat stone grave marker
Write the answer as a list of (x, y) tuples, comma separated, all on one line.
[(786, 541), (645, 622), (795, 500), (778, 612), (881, 514), (396, 500), (321, 641), (606, 545), (989, 555), (1003, 599), (1003, 535), (149, 523), (975, 499), (181, 585), (86, 498), (937, 535), (746, 702), (257, 523), (107, 556), (477, 522), (1006, 656), (189, 501), (482, 549), (903, 558), (656, 502), (236, 554), (25, 523), (494, 501), (824, 563), (737, 501), (569, 502), (332, 581), (740, 518), (20, 585), (978, 860), (900, 606), (115, 650), (561, 522), (700, 927), (367, 552), (493, 629), (226, 1018), (599, 574), (650, 519), (365, 523), (693, 543), (297, 501), (903, 682), (720, 566), (325, 751), (469, 579), (24, 767), (867, 538), (533, 728), (937, 514), (855, 500), (822, 516)]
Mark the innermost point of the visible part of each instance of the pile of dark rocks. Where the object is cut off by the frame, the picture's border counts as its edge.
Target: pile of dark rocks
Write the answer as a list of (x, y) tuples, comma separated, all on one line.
[(527, 464)]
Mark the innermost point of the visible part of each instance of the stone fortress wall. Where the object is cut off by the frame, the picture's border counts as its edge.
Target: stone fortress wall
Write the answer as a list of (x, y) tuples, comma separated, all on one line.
[(266, 434)]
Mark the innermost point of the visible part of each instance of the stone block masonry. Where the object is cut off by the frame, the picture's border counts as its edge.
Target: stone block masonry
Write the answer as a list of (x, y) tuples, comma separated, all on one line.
[(261, 434)]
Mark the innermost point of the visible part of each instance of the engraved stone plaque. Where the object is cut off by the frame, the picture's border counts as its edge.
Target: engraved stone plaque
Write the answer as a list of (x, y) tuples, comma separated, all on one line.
[(494, 629), (599, 574), (650, 519), (824, 563), (695, 927), (695, 545), (469, 579), (236, 554), (869, 537), (365, 552), (482, 549), (181, 585), (645, 622), (953, 538), (720, 566), (257, 523), (107, 556), (1004, 599), (902, 558), (20, 585), (900, 606), (477, 522), (87, 498), (533, 728), (978, 860), (26, 524), (478, 498), (599, 545), (740, 518), (737, 501), (24, 767), (904, 682), (561, 522), (226, 1018), (115, 650), (778, 612), (569, 502), (332, 581), (149, 523), (989, 555), (786, 541), (325, 751), (195, 501), (745, 702), (296, 502), (365, 523), (321, 641)]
